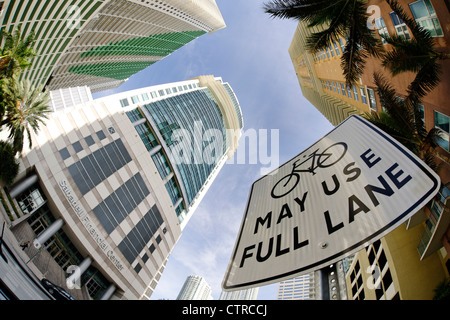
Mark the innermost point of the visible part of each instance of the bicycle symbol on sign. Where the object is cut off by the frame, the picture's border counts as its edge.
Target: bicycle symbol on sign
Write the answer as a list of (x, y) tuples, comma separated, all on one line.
[(324, 159)]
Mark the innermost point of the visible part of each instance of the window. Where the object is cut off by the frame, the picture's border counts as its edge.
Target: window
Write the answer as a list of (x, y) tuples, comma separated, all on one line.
[(425, 16), (31, 199), (342, 44), (355, 92), (442, 122), (332, 52), (145, 97), (336, 47), (382, 29), (135, 99), (124, 102), (343, 89), (64, 153), (363, 95), (134, 115), (146, 136), (400, 26), (349, 91), (422, 114), (372, 99), (136, 240)]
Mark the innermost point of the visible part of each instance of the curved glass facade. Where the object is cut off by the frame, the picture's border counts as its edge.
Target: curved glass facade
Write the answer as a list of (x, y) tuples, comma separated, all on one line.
[(194, 112)]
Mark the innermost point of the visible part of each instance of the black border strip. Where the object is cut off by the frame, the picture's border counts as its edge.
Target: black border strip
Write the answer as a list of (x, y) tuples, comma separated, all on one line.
[(434, 189)]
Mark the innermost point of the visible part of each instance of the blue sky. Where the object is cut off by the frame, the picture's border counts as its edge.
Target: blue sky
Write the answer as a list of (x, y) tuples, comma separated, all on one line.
[(251, 53)]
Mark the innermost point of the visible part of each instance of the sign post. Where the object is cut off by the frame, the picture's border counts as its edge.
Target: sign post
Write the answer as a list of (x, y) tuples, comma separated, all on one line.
[(349, 189)]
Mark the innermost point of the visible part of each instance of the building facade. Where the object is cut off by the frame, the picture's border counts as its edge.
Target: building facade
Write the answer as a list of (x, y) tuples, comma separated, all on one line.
[(300, 288), (246, 294), (101, 43), (195, 288), (321, 79), (101, 192), (323, 84), (389, 269)]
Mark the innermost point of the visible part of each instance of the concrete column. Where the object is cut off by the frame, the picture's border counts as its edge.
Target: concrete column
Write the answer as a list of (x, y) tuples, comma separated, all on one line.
[(140, 121), (78, 271), (178, 202), (50, 231), (154, 150), (108, 293), (23, 185), (169, 176)]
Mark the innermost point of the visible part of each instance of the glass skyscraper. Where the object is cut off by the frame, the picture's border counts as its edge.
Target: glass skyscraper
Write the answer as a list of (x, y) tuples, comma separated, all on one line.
[(195, 288), (199, 112), (101, 43), (103, 188), (300, 288)]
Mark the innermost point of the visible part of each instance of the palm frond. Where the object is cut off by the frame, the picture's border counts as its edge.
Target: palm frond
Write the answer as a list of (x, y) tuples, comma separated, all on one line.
[(425, 81), (301, 9), (27, 107)]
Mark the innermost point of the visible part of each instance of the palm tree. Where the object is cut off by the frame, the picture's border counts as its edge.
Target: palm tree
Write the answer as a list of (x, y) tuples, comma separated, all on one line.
[(16, 52), (346, 19), (417, 55), (26, 108), (404, 123), (9, 166)]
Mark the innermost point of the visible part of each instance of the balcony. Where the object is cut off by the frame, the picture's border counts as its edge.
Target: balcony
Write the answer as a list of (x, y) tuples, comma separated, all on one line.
[(436, 224)]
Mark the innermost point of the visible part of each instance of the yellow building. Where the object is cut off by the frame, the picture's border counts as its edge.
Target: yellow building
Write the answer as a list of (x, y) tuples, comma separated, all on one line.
[(321, 79), (409, 262)]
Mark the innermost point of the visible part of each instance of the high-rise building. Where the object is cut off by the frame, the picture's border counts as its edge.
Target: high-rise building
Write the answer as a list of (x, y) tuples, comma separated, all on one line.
[(195, 288), (246, 294), (321, 79), (101, 43), (389, 269), (300, 288), (322, 83), (103, 191)]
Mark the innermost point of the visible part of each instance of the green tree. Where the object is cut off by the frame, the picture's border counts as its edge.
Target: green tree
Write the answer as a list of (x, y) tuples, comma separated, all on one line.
[(404, 122), (16, 53), (9, 166), (442, 291), (26, 108), (343, 18), (417, 54)]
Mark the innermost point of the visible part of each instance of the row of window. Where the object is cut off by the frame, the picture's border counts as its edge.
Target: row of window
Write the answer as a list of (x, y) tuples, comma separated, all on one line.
[(119, 204), (185, 111), (422, 11), (160, 160), (334, 49), (353, 92), (140, 235), (146, 96), (99, 165), (424, 14), (380, 277)]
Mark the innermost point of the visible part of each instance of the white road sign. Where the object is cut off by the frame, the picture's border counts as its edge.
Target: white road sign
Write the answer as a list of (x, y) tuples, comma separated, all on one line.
[(349, 189)]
